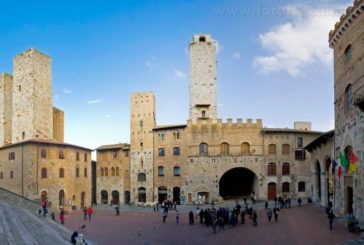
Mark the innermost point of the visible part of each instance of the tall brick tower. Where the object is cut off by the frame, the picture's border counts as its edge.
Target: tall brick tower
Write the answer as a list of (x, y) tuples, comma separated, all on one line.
[(142, 122), (6, 98), (203, 98), (32, 97)]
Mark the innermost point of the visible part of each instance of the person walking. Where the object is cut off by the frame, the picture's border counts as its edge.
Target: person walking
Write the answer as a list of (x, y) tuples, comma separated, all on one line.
[(165, 214), (191, 218), (299, 201), (61, 216), (90, 211), (177, 217), (117, 209), (85, 213), (275, 212), (266, 206), (255, 218), (242, 216), (269, 214), (213, 221), (331, 217)]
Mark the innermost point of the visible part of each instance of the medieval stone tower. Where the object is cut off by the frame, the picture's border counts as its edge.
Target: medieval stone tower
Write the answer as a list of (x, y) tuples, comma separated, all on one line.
[(141, 145), (6, 98), (32, 97), (203, 98)]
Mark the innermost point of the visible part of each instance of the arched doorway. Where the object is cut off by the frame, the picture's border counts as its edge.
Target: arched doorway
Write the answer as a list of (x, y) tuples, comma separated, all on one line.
[(142, 194), (162, 194), (61, 198), (177, 195), (318, 180), (115, 199), (272, 190), (126, 197), (104, 197), (82, 204), (237, 183), (44, 195)]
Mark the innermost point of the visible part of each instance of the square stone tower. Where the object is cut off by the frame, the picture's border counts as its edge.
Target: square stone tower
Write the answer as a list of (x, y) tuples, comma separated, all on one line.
[(32, 96), (142, 122), (6, 97), (58, 125), (203, 97)]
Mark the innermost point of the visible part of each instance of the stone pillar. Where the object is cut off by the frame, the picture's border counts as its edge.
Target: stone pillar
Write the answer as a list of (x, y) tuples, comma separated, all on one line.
[(324, 200)]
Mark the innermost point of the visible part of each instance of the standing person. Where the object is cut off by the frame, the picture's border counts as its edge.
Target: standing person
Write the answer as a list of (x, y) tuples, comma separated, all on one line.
[(117, 209), (275, 212), (198, 212), (165, 214), (266, 206), (201, 214), (213, 220), (331, 217), (244, 200), (90, 211), (177, 217), (289, 202), (53, 216), (255, 218), (85, 213), (275, 200), (44, 207), (269, 214), (221, 222), (242, 216), (191, 218), (299, 201), (61, 216), (238, 207)]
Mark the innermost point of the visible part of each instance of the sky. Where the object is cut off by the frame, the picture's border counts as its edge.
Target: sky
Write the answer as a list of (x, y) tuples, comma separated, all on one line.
[(274, 61)]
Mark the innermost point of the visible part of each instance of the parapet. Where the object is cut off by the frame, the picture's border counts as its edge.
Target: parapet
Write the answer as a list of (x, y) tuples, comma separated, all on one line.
[(346, 20), (228, 124)]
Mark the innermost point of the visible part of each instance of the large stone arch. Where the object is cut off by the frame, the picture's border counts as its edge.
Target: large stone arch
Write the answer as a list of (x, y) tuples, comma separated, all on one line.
[(237, 183), (316, 170)]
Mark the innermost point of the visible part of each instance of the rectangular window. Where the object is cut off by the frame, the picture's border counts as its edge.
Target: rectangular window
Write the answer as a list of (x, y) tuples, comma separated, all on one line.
[(176, 135), (77, 172), (11, 155), (85, 157), (11, 174), (299, 142), (1, 175), (300, 155), (161, 136), (161, 152), (114, 154), (85, 172), (77, 156)]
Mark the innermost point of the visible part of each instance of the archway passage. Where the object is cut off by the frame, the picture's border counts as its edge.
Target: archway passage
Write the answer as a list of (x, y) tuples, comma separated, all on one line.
[(237, 183), (104, 197), (115, 199)]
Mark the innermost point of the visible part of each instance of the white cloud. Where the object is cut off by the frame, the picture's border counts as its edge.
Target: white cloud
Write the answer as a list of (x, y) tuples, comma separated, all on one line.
[(151, 63), (236, 55), (219, 47), (56, 97), (179, 74), (94, 101), (66, 91), (300, 42)]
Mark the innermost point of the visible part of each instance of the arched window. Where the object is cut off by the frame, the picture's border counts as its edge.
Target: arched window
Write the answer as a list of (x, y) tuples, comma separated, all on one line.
[(202, 39), (272, 149), (176, 151), (1, 175), (161, 152), (61, 173), (142, 177), (117, 171), (102, 171), (301, 186), (142, 194), (285, 149), (176, 171), (11, 174), (272, 169), (43, 153), (204, 149), (77, 172), (285, 168), (60, 154), (348, 101), (106, 171), (245, 148), (224, 148), (112, 171), (44, 173), (285, 187), (160, 171), (348, 151), (348, 53)]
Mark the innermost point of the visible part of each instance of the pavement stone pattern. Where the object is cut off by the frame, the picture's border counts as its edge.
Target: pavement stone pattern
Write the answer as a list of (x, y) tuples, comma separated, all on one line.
[(298, 225)]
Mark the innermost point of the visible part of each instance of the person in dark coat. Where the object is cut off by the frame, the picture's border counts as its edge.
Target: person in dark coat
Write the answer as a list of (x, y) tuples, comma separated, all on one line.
[(61, 216), (275, 212), (73, 237), (331, 217), (266, 205), (299, 201), (242, 216), (191, 218), (255, 218)]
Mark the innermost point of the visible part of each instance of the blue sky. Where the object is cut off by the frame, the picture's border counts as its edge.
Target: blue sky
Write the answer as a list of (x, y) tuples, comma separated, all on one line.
[(274, 62)]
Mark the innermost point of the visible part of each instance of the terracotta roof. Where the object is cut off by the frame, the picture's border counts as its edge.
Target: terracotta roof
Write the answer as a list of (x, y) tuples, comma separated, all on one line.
[(322, 139), (123, 146), (44, 141)]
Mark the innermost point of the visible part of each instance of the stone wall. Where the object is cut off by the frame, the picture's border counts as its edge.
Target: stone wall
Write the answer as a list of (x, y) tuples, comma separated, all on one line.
[(58, 125), (6, 87), (32, 97)]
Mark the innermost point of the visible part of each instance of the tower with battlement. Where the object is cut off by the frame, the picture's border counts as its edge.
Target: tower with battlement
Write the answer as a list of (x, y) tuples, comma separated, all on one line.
[(203, 97), (142, 122), (32, 97)]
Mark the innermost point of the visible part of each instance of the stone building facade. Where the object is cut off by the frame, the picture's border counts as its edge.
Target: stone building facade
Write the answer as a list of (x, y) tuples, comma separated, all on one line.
[(34, 160), (207, 159), (113, 174), (346, 40)]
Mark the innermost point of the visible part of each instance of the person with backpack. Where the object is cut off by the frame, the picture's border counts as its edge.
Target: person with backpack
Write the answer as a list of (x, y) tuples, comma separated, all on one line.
[(331, 217)]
